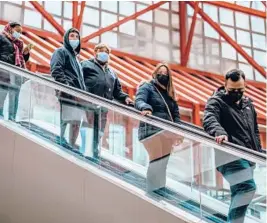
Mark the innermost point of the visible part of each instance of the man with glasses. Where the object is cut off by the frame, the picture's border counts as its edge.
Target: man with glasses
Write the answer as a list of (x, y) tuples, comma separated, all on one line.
[(230, 116)]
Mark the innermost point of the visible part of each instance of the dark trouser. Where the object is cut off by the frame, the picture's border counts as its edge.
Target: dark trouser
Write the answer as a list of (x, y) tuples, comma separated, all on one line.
[(4, 83), (10, 84), (13, 97), (3, 94), (96, 137), (96, 119), (74, 126), (239, 175), (13, 104)]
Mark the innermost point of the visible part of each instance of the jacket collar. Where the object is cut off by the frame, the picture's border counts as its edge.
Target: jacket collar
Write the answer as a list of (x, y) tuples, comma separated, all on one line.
[(105, 67)]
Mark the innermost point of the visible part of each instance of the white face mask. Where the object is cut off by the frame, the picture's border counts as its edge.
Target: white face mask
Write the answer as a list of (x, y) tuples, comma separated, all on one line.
[(102, 57), (16, 34), (74, 43)]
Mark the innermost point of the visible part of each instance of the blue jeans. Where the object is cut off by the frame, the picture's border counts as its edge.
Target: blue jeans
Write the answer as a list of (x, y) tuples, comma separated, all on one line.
[(239, 175)]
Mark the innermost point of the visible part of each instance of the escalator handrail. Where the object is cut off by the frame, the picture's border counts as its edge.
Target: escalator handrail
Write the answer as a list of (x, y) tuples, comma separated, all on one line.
[(188, 131)]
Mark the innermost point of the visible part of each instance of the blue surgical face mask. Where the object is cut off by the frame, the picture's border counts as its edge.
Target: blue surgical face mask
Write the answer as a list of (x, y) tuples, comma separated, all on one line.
[(16, 34), (74, 43), (102, 57)]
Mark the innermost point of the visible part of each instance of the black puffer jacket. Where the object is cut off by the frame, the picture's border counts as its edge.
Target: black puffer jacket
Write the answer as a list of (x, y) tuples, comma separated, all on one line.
[(148, 98), (7, 54), (65, 67), (104, 83), (238, 122)]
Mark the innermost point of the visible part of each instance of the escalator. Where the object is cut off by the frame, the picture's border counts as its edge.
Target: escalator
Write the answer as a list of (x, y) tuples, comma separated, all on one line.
[(108, 141)]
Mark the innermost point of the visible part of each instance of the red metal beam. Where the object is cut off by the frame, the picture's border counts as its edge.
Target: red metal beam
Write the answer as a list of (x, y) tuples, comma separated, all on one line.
[(238, 48), (31, 66), (41, 33), (134, 58), (74, 13), (178, 67), (237, 8), (48, 17), (126, 19), (41, 49), (200, 73), (190, 36), (80, 18), (264, 3), (182, 21), (196, 115), (43, 43)]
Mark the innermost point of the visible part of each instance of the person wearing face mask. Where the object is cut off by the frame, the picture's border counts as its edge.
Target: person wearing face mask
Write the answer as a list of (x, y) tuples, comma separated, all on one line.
[(12, 51), (101, 80), (66, 69), (158, 98), (231, 116)]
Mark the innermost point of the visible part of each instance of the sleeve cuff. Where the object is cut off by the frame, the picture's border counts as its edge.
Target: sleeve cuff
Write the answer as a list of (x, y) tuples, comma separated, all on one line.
[(220, 132), (147, 108)]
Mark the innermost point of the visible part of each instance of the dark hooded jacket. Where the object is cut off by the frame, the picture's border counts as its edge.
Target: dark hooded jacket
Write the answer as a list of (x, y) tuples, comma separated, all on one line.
[(148, 98), (238, 122), (102, 82), (65, 67)]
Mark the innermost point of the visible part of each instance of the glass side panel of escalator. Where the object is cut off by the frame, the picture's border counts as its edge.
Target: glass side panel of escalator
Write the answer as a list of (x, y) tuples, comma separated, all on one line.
[(171, 167)]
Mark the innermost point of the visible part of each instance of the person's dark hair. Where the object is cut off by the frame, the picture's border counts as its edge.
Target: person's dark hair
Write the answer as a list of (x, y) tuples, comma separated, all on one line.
[(170, 87), (73, 30), (14, 24), (235, 75)]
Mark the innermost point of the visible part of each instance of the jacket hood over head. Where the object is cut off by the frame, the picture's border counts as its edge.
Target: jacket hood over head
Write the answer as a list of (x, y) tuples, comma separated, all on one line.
[(66, 42)]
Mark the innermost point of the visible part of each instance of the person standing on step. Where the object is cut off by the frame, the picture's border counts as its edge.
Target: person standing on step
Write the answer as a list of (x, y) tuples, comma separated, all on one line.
[(158, 98), (101, 80), (12, 51), (66, 69), (230, 116)]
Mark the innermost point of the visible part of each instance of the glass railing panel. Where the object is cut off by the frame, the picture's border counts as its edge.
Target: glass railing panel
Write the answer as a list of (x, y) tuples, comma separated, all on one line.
[(239, 185), (172, 164), (147, 157), (10, 85)]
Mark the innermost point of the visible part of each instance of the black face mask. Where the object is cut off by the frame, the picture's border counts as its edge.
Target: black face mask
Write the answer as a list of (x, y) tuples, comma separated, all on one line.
[(235, 96), (163, 79)]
